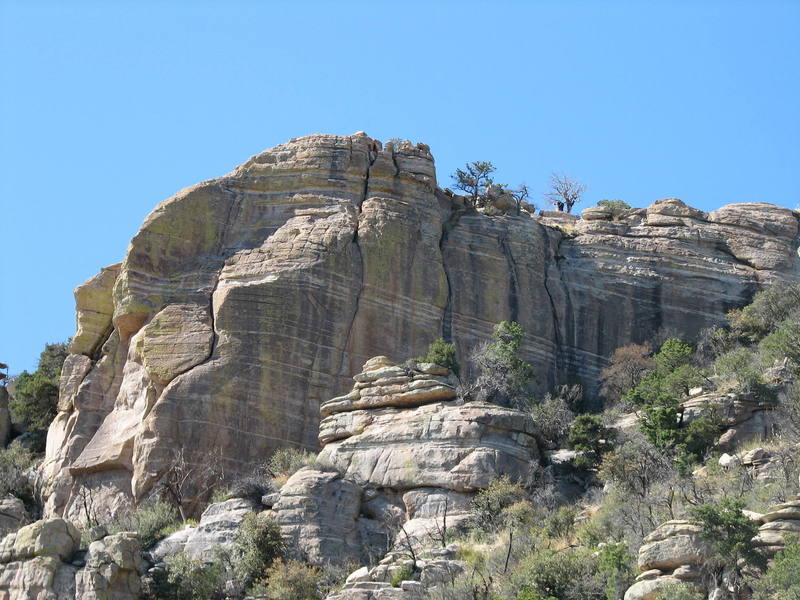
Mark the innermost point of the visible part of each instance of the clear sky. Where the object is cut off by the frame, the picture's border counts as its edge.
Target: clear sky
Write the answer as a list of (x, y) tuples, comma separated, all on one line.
[(107, 108)]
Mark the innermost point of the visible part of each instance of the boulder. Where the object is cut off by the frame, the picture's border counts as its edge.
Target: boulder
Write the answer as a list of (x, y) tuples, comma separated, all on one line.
[(319, 512), (13, 514), (49, 537), (218, 527), (673, 553), (38, 578), (113, 570)]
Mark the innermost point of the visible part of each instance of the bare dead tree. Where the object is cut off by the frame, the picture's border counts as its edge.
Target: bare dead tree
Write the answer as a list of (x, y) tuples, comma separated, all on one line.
[(565, 191), (184, 482), (408, 545), (439, 532), (86, 500)]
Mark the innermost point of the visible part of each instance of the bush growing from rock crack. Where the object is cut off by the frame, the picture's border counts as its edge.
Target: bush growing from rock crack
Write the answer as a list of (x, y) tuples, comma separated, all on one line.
[(152, 520), (591, 438), (285, 462), (15, 462), (187, 578), (442, 354), (258, 544), (490, 503), (615, 207), (501, 375), (552, 418)]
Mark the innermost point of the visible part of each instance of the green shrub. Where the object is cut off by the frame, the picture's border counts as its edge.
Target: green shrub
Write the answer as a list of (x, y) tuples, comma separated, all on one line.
[(740, 367), (591, 438), (729, 532), (765, 313), (191, 579), (285, 462), (782, 343), (15, 462), (152, 520), (258, 544), (781, 581), (698, 436), (617, 565), (35, 395), (400, 576), (442, 354), (490, 503), (571, 574), (560, 524), (617, 207), (679, 591), (290, 580)]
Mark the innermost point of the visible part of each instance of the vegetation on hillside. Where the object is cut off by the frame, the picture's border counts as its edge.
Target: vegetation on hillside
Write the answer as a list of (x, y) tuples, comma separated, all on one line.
[(35, 395)]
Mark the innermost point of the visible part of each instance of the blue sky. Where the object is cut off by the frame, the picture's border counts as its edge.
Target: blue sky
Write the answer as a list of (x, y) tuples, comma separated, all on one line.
[(107, 108)]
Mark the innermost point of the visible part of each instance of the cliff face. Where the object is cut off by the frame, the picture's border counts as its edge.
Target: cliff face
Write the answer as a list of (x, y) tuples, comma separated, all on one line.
[(245, 301)]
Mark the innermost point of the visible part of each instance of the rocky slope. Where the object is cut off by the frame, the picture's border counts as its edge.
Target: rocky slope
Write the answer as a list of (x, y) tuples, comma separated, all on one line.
[(246, 300)]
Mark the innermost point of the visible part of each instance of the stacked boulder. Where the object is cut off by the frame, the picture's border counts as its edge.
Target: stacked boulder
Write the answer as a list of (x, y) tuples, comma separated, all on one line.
[(34, 562), (672, 554), (778, 521), (399, 450), (42, 561)]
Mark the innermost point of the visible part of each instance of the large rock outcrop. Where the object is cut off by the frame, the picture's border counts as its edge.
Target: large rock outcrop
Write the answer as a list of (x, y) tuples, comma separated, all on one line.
[(399, 450), (245, 301)]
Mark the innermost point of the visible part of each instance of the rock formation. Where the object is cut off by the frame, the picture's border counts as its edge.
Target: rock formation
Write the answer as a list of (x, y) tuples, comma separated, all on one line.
[(245, 301), (399, 449), (41, 562), (778, 521), (673, 553)]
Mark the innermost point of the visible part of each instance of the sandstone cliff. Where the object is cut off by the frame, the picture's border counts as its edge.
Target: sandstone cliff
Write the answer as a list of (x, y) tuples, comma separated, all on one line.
[(245, 301)]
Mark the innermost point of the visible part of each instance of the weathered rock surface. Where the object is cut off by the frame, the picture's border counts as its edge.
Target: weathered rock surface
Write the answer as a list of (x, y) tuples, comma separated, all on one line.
[(778, 521), (399, 449), (245, 301), (34, 562), (35, 565), (217, 529), (113, 570), (440, 444), (433, 567), (673, 553), (13, 514)]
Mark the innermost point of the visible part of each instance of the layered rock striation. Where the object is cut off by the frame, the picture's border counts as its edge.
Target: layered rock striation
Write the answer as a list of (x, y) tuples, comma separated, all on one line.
[(245, 301), (399, 450)]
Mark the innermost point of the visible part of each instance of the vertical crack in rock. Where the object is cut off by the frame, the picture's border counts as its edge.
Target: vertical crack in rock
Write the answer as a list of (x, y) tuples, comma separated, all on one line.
[(371, 158), (447, 314), (513, 298), (559, 342)]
